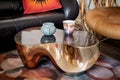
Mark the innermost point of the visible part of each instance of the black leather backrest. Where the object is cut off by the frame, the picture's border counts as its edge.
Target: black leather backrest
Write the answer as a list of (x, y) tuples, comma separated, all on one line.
[(9, 7)]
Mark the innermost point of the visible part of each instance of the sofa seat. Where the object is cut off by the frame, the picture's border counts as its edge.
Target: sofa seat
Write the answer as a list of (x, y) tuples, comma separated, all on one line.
[(32, 20)]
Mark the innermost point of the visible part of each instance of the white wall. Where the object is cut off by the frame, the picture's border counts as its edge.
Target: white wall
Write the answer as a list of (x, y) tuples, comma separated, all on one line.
[(92, 5), (118, 2), (86, 4)]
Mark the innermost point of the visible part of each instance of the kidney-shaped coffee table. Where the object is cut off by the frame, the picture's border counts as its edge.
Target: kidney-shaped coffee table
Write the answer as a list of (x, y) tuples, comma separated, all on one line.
[(69, 53)]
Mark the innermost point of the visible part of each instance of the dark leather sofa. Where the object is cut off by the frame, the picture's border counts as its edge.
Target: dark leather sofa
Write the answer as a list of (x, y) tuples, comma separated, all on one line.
[(12, 19)]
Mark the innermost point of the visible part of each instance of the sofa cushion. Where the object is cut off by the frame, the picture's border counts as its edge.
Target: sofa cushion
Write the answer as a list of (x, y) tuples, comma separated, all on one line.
[(35, 6)]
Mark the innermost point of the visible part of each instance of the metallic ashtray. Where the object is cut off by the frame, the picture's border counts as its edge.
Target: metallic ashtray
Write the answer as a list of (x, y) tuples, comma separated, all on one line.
[(71, 57)]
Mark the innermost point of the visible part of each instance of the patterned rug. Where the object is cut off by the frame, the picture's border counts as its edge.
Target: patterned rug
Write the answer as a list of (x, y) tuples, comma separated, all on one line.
[(12, 68)]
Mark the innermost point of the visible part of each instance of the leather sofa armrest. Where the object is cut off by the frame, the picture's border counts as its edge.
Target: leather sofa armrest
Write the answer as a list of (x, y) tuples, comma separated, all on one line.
[(70, 8)]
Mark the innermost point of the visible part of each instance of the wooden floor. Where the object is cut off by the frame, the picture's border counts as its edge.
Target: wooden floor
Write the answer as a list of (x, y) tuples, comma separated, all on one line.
[(111, 48)]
